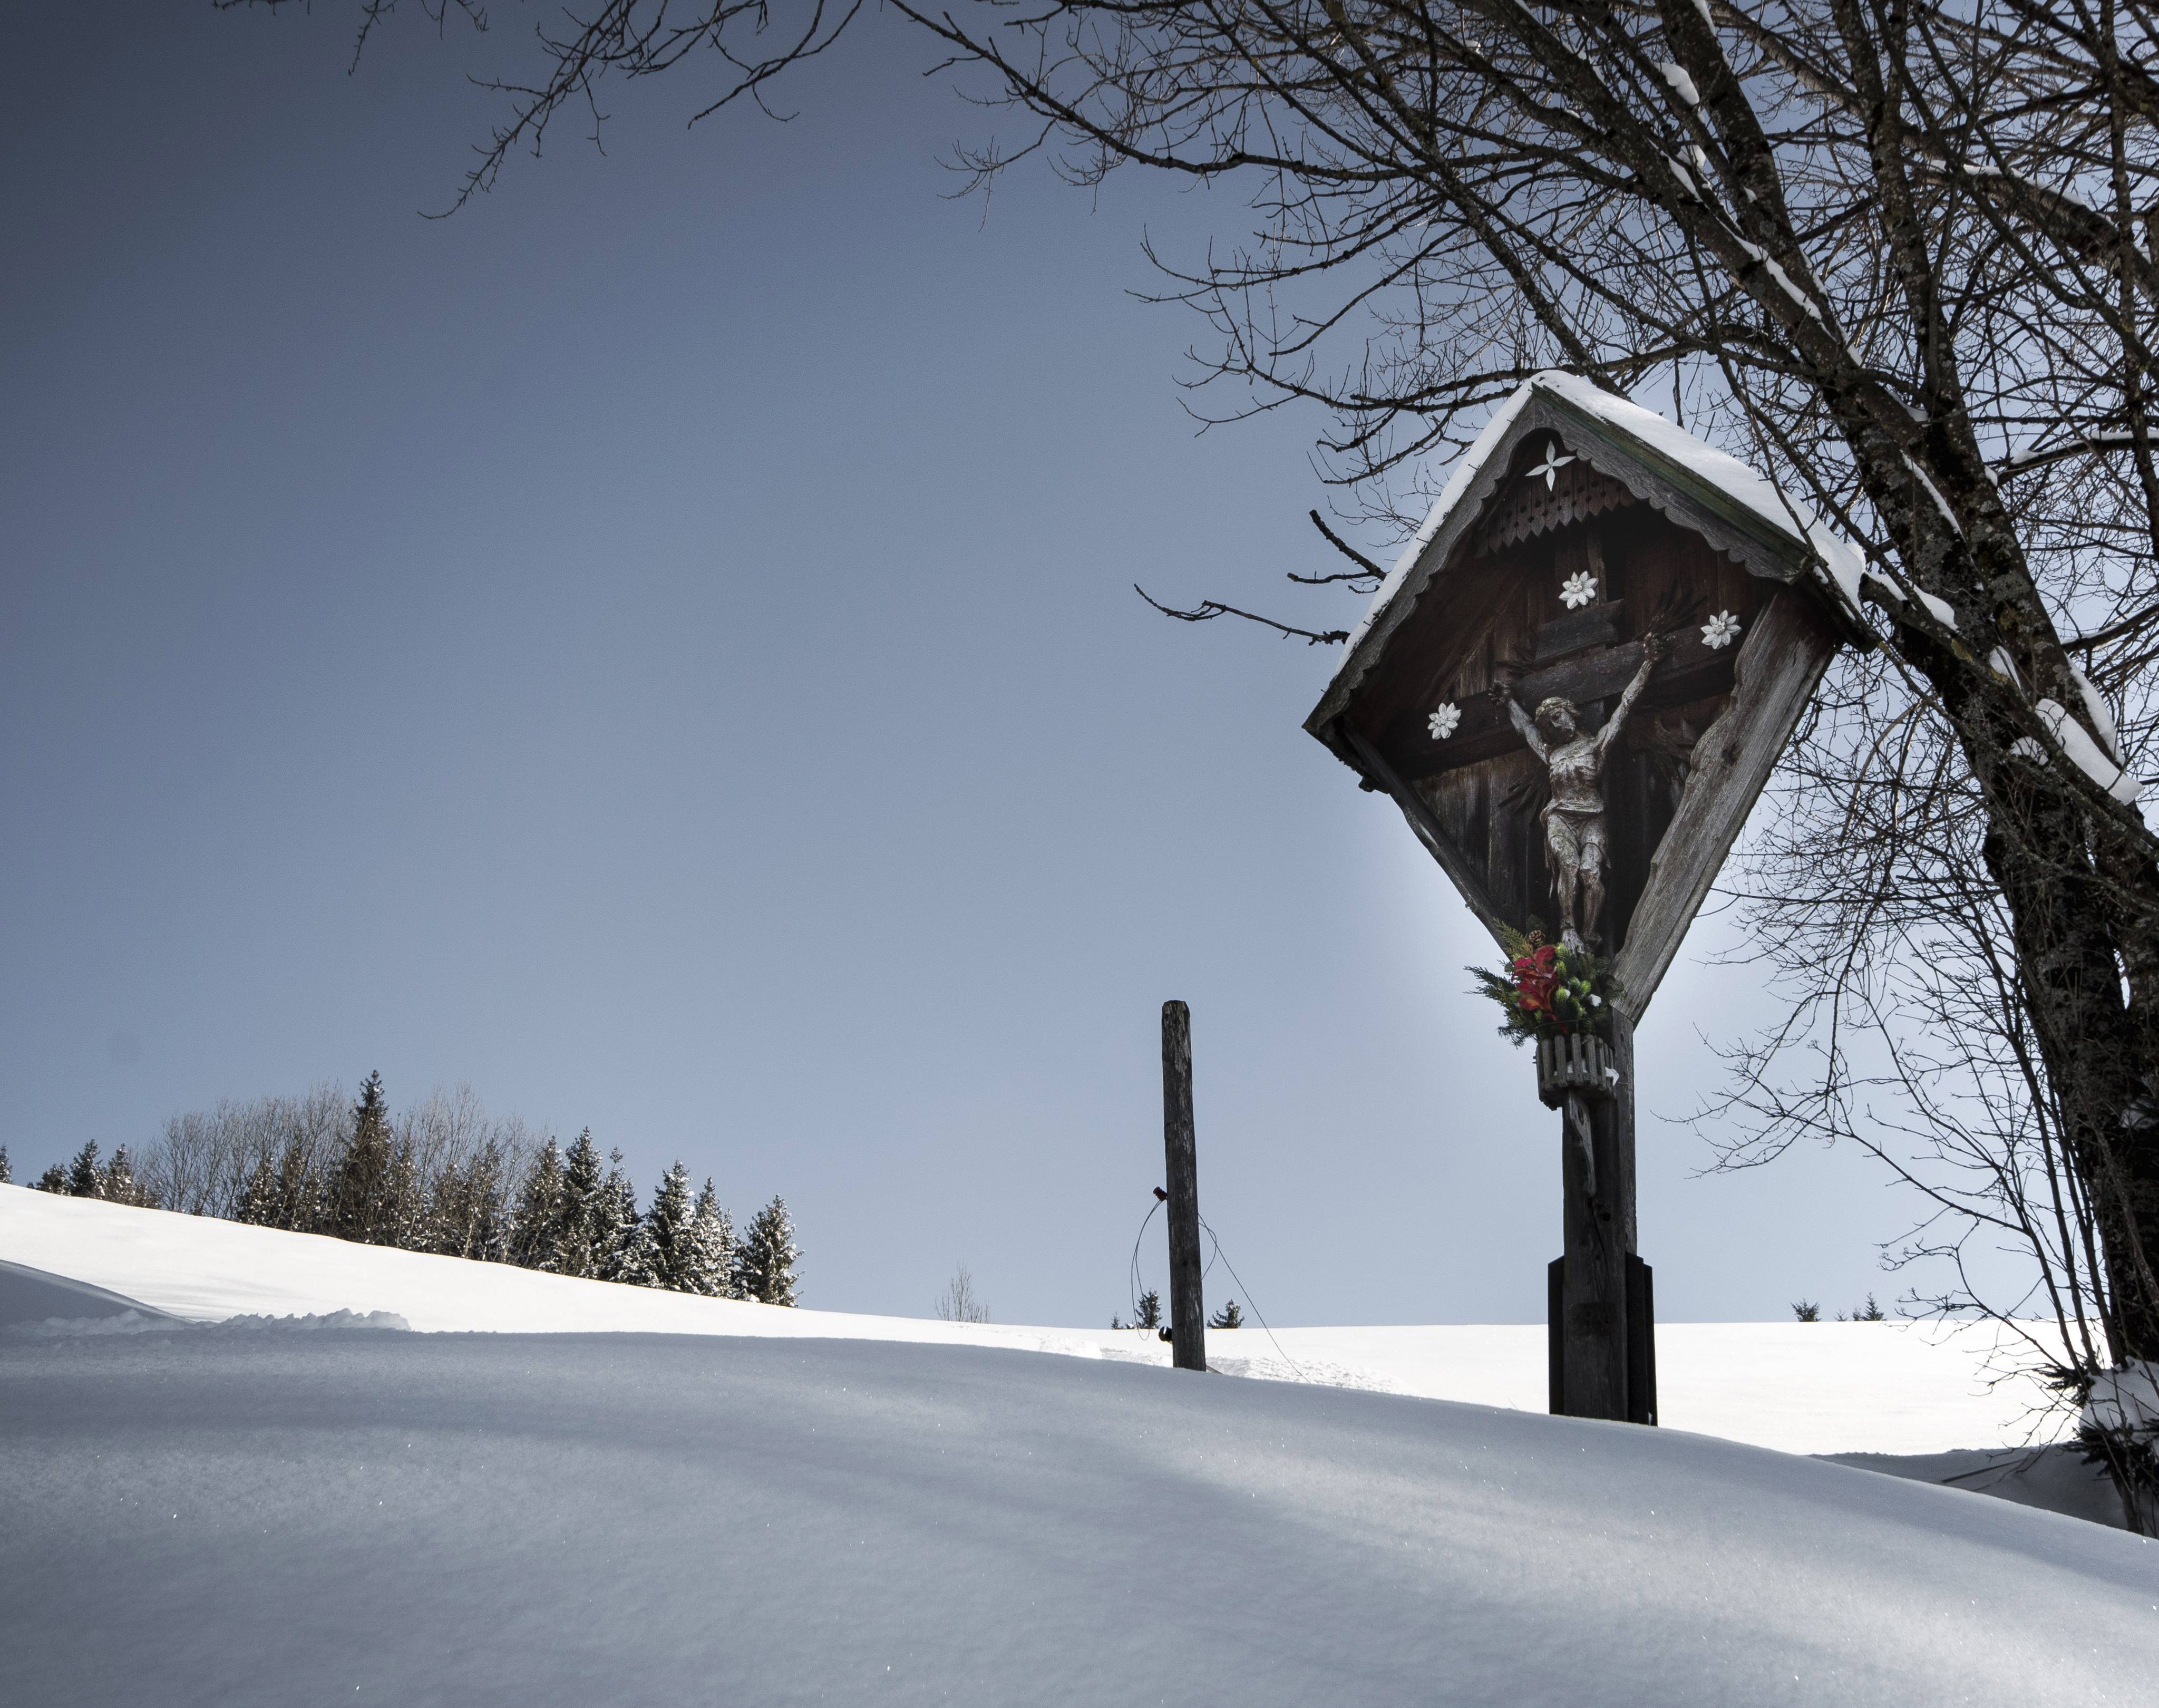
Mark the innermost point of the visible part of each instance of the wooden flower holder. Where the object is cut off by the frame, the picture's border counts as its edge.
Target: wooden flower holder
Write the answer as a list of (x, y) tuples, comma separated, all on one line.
[(1577, 1066)]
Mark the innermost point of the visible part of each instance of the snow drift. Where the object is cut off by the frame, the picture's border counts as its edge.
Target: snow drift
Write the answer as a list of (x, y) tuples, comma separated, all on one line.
[(1809, 1388), (358, 1516)]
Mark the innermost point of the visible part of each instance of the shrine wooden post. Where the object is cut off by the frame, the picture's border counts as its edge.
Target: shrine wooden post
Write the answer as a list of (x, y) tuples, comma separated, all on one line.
[(1602, 1344), (1574, 686)]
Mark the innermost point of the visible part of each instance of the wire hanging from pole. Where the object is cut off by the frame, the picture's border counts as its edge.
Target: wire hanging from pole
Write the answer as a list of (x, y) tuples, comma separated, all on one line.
[(1136, 1239), (1213, 1239), (1252, 1301)]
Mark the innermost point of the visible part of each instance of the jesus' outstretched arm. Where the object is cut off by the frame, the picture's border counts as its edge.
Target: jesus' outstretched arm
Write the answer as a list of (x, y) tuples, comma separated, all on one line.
[(1654, 649), (1523, 722)]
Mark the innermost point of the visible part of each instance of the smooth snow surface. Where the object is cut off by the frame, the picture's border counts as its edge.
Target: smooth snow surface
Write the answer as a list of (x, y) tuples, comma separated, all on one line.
[(30, 1297), (199, 1517), (2050, 1479), (1801, 1387)]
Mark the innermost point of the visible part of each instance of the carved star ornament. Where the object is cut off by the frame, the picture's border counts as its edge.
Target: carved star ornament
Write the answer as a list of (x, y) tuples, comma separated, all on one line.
[(1550, 467)]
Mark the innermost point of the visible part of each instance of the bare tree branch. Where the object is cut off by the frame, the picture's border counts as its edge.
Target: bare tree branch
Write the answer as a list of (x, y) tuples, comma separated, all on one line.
[(1207, 610)]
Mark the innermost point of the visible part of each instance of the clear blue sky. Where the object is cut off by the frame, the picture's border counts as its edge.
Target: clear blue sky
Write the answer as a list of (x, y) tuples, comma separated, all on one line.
[(659, 647)]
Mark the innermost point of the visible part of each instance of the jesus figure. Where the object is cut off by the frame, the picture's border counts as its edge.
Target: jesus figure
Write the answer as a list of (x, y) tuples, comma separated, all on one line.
[(1574, 817)]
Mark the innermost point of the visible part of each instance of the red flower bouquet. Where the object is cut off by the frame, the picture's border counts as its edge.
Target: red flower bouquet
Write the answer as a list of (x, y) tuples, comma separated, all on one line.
[(1547, 990)]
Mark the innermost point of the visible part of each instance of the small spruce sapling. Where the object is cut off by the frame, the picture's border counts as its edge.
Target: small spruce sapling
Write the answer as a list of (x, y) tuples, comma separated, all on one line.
[(54, 1180), (1148, 1314), (1806, 1311), (1228, 1316), (84, 1177), (7, 1173)]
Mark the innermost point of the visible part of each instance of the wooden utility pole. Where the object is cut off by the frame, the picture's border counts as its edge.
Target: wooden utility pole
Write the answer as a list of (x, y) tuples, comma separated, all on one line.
[(1187, 1313)]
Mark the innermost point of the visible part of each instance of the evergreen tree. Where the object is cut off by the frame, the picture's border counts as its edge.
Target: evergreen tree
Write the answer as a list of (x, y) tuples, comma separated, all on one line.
[(467, 1213), (615, 1244), (1228, 1316), (574, 1245), (121, 1185), (710, 1269), (86, 1178), (54, 1179), (667, 1244), (297, 1203), (450, 1212), (1149, 1315), (487, 1188), (403, 1220), (360, 1207), (258, 1204), (765, 1260), (539, 1209), (7, 1173)]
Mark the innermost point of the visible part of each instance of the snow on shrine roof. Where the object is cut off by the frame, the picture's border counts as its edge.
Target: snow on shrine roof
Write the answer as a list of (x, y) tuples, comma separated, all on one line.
[(1791, 522)]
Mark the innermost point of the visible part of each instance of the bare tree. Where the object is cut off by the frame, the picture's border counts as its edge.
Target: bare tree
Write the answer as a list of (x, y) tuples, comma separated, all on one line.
[(201, 1164), (269, 1160), (959, 1302), (1905, 1032), (1904, 256)]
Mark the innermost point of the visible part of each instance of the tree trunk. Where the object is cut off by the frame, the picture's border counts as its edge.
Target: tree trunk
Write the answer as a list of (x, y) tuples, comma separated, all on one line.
[(2038, 847)]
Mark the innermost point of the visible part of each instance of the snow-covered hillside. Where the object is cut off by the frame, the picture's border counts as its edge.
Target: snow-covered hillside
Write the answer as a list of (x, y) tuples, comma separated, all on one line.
[(1809, 1388), (767, 1507), (215, 1516)]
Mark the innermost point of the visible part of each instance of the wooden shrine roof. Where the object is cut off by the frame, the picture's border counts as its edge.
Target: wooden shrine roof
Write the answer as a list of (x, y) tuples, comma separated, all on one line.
[(1624, 455)]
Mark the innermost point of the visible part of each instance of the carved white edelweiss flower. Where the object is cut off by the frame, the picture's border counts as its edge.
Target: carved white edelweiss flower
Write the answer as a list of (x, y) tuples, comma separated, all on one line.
[(1580, 589), (1550, 467), (1720, 631), (1443, 722)]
